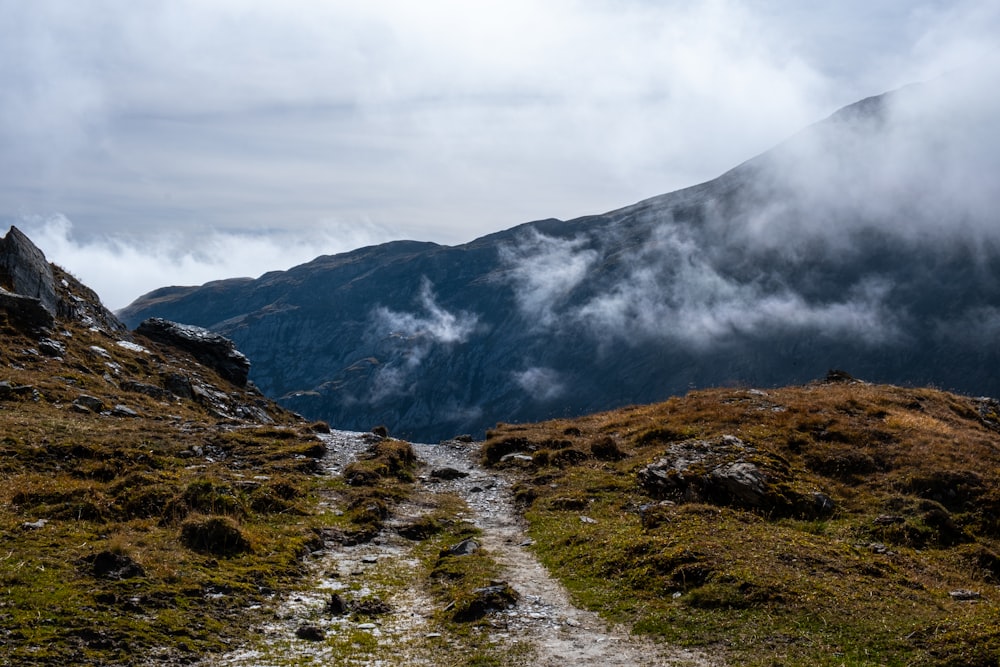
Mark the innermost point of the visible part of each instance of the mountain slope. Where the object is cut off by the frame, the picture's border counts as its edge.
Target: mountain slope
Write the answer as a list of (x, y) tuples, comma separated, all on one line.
[(868, 241), (144, 498)]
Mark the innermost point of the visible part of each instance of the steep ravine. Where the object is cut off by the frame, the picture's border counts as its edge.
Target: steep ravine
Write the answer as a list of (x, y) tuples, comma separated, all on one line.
[(544, 628)]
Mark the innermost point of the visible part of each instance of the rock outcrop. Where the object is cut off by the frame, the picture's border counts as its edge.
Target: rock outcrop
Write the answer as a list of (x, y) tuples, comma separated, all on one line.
[(728, 471), (215, 351), (25, 271)]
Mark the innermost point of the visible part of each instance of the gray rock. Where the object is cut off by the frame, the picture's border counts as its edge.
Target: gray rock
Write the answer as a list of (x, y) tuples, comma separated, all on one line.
[(26, 312), (89, 403), (448, 474), (123, 411), (312, 633), (51, 348), (728, 471), (25, 271), (463, 548), (147, 389), (215, 351)]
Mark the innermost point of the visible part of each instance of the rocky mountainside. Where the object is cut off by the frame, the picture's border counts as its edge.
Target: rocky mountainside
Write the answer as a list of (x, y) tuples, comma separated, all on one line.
[(869, 241), (143, 482)]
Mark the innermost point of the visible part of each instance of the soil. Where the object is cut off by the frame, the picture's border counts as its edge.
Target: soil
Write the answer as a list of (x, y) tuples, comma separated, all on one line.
[(544, 628)]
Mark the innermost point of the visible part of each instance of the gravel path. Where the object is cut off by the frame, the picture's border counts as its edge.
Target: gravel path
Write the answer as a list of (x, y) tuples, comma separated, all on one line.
[(544, 620)]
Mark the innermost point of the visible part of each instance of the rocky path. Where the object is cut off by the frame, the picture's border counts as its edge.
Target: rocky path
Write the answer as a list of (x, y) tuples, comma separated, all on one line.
[(543, 628)]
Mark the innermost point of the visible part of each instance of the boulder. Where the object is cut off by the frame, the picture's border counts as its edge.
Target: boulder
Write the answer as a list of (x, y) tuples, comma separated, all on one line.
[(25, 312), (25, 271), (211, 349), (728, 471)]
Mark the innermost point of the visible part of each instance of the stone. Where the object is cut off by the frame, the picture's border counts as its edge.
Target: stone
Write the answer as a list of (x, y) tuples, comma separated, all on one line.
[(142, 388), (463, 548), (111, 565), (90, 403), (51, 348), (448, 474), (496, 597), (211, 349), (312, 633), (728, 471), (25, 271), (34, 525), (26, 312), (964, 595), (123, 411), (337, 606)]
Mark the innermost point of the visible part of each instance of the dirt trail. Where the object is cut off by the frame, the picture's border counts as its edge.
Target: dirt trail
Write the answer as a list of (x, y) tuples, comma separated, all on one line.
[(555, 632)]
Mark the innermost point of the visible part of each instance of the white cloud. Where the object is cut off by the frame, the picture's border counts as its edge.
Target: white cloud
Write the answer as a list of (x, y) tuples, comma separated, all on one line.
[(542, 384), (121, 268), (410, 338), (438, 120), (544, 270)]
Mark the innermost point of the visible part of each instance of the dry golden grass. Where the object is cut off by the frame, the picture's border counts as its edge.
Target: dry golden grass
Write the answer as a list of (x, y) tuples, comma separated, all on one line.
[(913, 473), (128, 486)]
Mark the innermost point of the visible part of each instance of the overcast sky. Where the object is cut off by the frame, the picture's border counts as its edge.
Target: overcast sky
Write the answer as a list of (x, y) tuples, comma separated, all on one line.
[(151, 143)]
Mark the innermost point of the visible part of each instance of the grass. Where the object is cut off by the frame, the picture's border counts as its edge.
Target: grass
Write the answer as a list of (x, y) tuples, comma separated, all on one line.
[(211, 514), (913, 474)]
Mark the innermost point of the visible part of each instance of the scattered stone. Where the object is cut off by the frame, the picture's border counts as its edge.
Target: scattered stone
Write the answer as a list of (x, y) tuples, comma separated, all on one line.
[(371, 607), (463, 548), (123, 411), (51, 348), (496, 597), (146, 389), (89, 403), (432, 635), (448, 474), (587, 519), (337, 606), (179, 385), (369, 560), (99, 351), (963, 595), (515, 457), (888, 520), (215, 351), (26, 312), (34, 525), (111, 565), (367, 626), (312, 633), (10, 391)]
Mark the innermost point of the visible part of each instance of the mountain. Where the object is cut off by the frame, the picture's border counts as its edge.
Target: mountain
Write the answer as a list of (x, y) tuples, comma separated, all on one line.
[(869, 241)]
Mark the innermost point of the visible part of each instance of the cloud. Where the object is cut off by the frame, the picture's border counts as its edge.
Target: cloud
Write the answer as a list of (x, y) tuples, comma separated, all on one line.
[(121, 268), (544, 270), (440, 120), (672, 292), (410, 338), (542, 384)]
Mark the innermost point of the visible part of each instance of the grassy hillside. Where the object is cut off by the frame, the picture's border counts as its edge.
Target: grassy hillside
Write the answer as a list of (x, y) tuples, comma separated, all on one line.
[(845, 524), (137, 526)]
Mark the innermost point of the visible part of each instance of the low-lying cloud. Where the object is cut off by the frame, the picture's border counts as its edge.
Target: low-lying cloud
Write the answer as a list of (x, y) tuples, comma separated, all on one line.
[(121, 268), (410, 338)]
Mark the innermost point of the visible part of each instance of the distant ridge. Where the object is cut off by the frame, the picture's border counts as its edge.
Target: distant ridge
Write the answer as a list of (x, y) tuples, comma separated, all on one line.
[(869, 241)]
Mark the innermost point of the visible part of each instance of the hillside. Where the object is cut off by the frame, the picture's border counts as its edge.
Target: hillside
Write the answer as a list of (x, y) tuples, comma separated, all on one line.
[(836, 523), (156, 509), (867, 241), (145, 500)]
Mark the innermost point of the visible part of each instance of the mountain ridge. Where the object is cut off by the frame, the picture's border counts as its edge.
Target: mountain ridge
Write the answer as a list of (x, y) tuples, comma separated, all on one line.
[(867, 240)]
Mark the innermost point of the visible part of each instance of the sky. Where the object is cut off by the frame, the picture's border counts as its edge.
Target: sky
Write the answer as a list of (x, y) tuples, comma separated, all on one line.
[(172, 142)]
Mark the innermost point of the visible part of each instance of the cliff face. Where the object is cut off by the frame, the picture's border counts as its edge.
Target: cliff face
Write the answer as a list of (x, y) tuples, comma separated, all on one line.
[(868, 241)]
